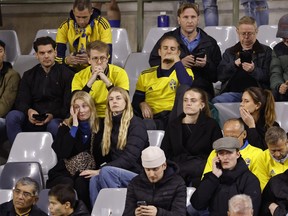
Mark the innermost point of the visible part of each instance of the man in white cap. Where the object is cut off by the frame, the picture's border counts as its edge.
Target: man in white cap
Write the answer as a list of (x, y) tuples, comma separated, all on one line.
[(159, 190), (229, 176)]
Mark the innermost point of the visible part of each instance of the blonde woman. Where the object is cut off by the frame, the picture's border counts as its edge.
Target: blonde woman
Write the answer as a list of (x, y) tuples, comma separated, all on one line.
[(81, 134), (124, 138)]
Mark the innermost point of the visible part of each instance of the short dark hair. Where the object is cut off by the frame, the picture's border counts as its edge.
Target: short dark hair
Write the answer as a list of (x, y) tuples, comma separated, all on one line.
[(2, 44), (99, 46), (63, 193), (274, 134), (187, 5), (82, 5), (29, 181), (43, 41)]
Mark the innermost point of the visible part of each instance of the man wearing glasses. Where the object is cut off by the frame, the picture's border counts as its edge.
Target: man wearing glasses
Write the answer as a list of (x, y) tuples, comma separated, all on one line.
[(235, 128), (246, 64), (100, 76), (25, 196)]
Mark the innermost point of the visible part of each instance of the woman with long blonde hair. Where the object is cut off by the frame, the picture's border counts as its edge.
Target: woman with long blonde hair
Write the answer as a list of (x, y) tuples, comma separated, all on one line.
[(124, 138)]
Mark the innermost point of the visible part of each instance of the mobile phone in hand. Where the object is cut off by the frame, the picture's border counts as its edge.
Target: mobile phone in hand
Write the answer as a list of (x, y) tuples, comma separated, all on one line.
[(40, 117), (141, 203), (245, 56)]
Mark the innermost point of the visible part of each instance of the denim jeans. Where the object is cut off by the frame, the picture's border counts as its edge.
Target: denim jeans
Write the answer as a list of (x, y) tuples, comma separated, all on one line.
[(17, 121), (109, 177), (258, 10), (228, 97), (210, 12)]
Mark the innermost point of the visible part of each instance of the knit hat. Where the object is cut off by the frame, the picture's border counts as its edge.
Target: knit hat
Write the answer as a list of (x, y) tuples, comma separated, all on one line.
[(226, 143), (283, 27), (152, 157)]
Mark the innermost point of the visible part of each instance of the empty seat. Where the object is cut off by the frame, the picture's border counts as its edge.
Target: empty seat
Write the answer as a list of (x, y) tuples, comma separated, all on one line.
[(282, 114), (5, 195), (190, 191), (267, 35), (13, 171), (227, 111), (13, 50), (155, 137), (110, 201), (135, 64), (226, 36), (24, 63), (43, 201), (34, 146), (121, 46), (153, 36), (42, 33)]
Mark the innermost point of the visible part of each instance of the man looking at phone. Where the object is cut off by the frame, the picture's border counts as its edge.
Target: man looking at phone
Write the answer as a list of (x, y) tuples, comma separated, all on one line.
[(43, 98), (159, 190), (199, 51), (243, 65), (230, 176)]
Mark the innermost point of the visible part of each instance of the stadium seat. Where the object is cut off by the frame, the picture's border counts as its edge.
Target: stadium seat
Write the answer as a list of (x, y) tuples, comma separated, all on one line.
[(5, 195), (135, 64), (226, 36), (121, 48), (13, 171), (282, 114), (153, 36), (267, 35), (10, 38), (42, 33), (227, 111), (24, 63), (190, 191), (43, 201), (155, 137), (34, 146), (110, 201)]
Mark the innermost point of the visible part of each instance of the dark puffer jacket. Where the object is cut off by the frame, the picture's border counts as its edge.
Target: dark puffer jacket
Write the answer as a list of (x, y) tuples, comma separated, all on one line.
[(168, 195), (214, 192)]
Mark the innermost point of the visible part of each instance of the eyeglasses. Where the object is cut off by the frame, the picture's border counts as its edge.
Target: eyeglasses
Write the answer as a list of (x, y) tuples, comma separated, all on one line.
[(25, 194), (247, 34), (101, 58), (240, 134)]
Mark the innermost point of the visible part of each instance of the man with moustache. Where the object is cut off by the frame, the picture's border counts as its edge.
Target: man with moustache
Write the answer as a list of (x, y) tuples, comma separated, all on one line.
[(198, 50), (43, 98), (156, 87)]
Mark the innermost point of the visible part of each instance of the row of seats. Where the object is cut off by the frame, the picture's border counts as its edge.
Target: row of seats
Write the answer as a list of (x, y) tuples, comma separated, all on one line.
[(110, 201), (225, 36)]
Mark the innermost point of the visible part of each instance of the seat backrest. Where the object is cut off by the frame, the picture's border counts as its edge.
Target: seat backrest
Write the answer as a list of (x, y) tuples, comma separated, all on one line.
[(267, 35), (227, 111), (42, 33), (10, 38), (153, 36), (121, 48), (226, 36), (43, 201), (155, 137), (282, 114), (190, 191), (135, 64), (34, 146), (5, 195), (110, 201), (13, 171), (24, 63)]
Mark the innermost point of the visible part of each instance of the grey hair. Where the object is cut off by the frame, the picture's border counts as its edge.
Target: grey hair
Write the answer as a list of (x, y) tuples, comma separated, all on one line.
[(29, 181), (240, 203)]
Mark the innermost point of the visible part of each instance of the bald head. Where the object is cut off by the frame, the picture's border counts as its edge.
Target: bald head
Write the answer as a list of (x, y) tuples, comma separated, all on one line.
[(235, 128)]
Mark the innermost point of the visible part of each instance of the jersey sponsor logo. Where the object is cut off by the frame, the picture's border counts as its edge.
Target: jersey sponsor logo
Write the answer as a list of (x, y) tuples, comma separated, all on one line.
[(247, 161), (172, 84), (150, 89), (272, 172)]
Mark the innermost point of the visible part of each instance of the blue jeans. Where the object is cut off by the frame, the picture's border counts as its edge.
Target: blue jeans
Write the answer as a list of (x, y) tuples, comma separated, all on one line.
[(210, 12), (228, 97), (109, 177), (258, 10), (17, 121)]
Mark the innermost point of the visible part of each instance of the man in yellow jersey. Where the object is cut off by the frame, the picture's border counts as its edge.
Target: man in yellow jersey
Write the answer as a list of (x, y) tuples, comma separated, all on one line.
[(84, 25), (272, 161), (156, 87), (100, 76), (235, 128)]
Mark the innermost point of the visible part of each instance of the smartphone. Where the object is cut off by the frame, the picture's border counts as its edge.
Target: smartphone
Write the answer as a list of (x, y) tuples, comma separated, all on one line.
[(245, 57), (40, 117), (218, 165), (201, 54), (141, 203)]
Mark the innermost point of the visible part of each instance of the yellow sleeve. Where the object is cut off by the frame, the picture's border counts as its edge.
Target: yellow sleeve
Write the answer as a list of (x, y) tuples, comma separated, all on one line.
[(77, 82), (120, 78), (62, 33), (105, 30), (208, 166), (262, 169)]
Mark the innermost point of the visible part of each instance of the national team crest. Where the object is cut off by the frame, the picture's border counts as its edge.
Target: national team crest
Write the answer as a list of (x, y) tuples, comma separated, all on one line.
[(172, 84)]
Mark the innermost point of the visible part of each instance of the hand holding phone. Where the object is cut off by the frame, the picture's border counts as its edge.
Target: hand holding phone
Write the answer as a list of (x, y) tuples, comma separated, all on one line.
[(245, 56), (216, 167), (141, 203), (40, 117)]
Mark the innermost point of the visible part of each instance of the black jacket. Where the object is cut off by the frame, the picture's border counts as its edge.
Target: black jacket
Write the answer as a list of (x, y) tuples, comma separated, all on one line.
[(45, 93), (7, 209), (235, 79), (80, 209), (276, 191), (189, 148), (168, 195), (215, 193), (203, 77)]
